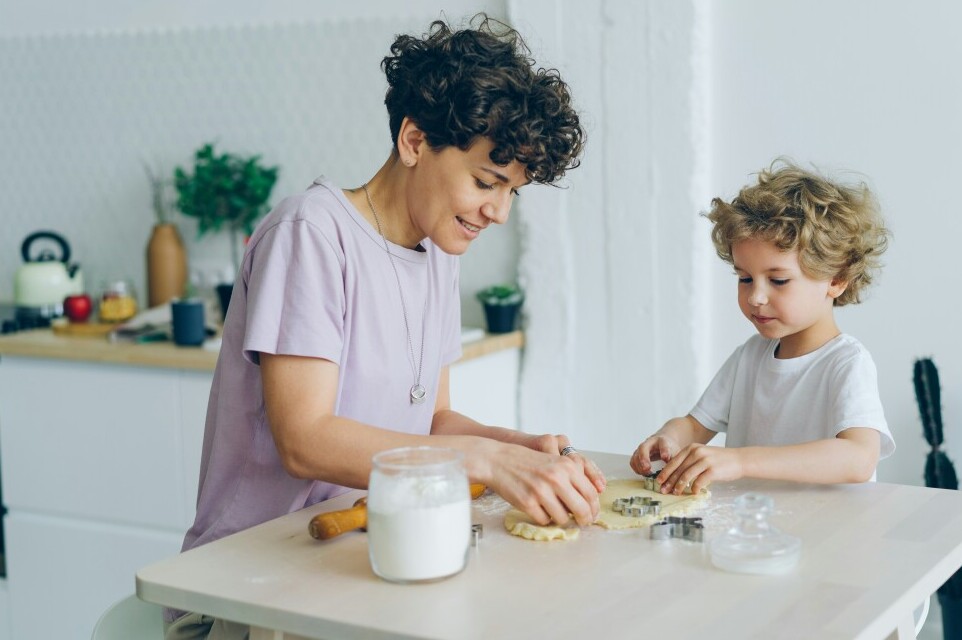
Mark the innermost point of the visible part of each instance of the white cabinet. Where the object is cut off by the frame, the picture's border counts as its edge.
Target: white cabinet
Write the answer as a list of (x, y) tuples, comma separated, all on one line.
[(99, 466), (100, 463), (486, 388)]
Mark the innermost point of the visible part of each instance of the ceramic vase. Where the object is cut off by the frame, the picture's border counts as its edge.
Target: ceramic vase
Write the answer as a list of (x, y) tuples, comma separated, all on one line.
[(166, 265)]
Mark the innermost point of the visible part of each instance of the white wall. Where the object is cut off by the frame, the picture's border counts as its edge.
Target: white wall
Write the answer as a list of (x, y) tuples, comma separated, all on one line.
[(628, 310), (870, 87), (90, 92), (612, 342)]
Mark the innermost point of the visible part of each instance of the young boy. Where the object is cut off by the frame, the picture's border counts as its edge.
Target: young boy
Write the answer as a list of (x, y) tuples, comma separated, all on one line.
[(799, 401)]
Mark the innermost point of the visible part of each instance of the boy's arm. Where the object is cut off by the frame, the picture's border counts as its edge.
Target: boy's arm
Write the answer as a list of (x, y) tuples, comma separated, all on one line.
[(851, 456), (665, 443)]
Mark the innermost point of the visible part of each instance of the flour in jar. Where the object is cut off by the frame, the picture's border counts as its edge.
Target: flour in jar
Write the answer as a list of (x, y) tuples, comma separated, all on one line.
[(419, 542)]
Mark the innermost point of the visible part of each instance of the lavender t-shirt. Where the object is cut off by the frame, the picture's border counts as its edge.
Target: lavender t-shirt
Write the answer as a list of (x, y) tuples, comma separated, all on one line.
[(317, 282)]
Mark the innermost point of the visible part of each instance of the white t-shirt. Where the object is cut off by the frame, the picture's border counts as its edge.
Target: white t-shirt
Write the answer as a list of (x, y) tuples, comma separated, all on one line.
[(759, 400)]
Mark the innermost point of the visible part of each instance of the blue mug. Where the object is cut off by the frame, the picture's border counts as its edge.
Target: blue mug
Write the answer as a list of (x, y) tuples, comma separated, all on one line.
[(187, 318)]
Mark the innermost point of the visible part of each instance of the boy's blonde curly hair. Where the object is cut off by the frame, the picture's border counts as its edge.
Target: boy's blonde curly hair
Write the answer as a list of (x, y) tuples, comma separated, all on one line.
[(836, 228)]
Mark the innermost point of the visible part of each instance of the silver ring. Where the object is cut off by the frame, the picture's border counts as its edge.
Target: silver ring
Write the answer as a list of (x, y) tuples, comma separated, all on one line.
[(568, 450)]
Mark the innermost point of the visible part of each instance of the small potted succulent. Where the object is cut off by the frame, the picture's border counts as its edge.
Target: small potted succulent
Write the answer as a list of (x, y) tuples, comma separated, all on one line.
[(225, 190), (501, 304)]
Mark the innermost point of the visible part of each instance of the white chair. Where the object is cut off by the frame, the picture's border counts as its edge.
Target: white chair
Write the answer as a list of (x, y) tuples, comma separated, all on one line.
[(130, 619), (921, 613)]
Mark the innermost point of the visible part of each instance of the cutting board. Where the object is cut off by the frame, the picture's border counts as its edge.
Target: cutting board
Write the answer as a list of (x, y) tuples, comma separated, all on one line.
[(82, 329)]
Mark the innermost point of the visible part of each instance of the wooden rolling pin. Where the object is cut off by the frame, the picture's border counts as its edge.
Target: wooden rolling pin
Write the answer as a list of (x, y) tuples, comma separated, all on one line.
[(325, 526)]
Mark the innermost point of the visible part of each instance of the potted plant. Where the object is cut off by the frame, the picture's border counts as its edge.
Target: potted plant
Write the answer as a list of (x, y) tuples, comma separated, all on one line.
[(225, 190), (501, 304), (940, 474)]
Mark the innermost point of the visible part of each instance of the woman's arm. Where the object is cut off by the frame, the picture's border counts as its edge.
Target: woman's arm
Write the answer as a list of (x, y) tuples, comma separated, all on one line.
[(851, 456), (314, 443), (449, 422)]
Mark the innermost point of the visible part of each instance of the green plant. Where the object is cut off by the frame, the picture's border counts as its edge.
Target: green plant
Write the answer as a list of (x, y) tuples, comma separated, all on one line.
[(939, 470), (501, 295), (224, 189)]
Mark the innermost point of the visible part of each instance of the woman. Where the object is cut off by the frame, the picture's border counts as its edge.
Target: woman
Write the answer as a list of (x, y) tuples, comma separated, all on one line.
[(346, 314)]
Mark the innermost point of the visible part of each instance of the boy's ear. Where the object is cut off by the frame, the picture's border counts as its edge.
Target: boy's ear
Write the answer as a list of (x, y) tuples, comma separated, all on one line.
[(410, 142), (837, 288)]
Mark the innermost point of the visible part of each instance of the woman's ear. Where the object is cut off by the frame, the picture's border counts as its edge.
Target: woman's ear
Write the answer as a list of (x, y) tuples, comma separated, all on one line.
[(411, 142)]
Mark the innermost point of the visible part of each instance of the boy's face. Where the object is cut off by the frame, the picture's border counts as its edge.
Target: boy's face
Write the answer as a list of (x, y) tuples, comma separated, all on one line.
[(781, 301)]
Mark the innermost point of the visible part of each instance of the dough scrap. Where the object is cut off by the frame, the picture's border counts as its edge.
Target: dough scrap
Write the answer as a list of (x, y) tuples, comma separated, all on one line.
[(520, 524), (670, 504)]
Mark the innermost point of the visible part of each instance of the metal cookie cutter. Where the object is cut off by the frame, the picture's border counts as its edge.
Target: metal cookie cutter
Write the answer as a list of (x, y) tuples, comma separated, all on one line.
[(636, 506), (651, 484), (690, 529), (477, 532), (647, 504)]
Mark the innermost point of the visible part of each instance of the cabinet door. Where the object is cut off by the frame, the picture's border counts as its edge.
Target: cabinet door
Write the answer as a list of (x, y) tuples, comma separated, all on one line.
[(65, 573), (486, 388), (100, 441)]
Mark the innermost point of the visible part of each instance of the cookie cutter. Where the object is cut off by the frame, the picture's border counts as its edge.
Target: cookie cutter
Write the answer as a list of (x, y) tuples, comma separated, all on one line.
[(636, 506), (477, 532), (680, 527), (651, 484)]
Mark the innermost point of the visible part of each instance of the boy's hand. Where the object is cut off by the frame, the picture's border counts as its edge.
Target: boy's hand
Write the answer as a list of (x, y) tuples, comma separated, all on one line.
[(697, 466), (657, 447)]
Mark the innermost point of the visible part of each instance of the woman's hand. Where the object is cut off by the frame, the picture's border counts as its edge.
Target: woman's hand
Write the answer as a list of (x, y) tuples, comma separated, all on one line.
[(556, 444), (697, 466), (547, 486)]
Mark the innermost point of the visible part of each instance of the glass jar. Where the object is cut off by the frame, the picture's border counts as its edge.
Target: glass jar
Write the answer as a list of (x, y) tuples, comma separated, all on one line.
[(418, 514), (753, 545), (118, 301)]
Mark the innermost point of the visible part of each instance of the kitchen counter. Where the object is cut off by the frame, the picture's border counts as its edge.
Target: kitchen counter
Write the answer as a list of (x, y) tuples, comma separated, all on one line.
[(43, 343)]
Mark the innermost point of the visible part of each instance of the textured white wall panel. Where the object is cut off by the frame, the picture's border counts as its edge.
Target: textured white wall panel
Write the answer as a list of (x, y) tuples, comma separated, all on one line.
[(610, 352), (81, 112)]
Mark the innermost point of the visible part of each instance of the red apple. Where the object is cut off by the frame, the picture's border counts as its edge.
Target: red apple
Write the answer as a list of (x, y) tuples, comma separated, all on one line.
[(78, 307)]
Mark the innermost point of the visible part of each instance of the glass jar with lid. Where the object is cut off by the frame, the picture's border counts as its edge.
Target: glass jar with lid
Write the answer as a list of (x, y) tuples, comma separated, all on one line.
[(418, 514)]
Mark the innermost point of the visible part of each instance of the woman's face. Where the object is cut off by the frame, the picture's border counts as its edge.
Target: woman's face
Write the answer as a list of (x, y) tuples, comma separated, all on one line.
[(454, 195)]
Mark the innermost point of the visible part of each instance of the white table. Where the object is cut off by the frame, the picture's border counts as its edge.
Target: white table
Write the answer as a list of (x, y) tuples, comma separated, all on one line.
[(870, 554)]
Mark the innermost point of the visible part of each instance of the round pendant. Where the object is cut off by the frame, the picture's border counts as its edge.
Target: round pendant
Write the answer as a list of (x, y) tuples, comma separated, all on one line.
[(417, 394)]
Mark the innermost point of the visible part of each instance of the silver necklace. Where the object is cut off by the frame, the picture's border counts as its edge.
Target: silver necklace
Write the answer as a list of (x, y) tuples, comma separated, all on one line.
[(418, 392)]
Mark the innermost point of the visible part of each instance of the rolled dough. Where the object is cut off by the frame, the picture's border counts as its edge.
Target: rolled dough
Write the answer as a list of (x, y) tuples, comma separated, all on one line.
[(520, 524), (670, 504)]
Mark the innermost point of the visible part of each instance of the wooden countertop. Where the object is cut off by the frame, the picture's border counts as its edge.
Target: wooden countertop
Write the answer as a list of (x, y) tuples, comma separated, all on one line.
[(871, 553), (42, 343)]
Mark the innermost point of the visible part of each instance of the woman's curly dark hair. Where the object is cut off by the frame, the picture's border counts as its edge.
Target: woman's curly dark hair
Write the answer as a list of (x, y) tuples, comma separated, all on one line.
[(836, 228), (458, 86)]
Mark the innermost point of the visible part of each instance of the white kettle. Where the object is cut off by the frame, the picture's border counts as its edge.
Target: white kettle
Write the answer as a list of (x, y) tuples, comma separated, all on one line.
[(44, 280)]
